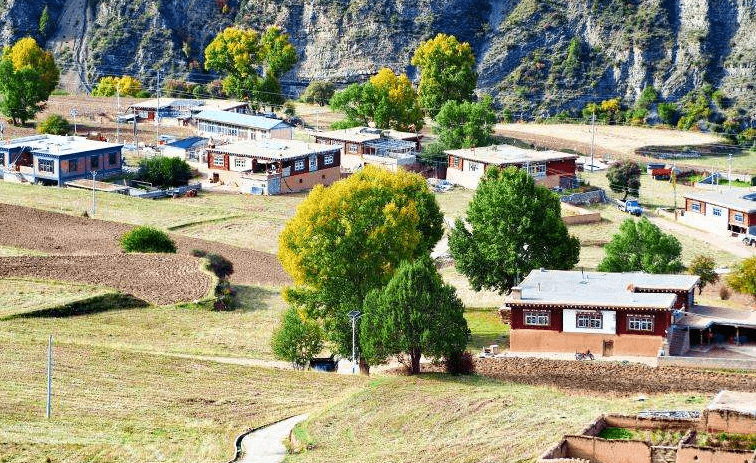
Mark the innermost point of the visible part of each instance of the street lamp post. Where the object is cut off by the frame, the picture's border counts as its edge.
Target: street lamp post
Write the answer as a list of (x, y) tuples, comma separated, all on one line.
[(354, 315), (94, 199)]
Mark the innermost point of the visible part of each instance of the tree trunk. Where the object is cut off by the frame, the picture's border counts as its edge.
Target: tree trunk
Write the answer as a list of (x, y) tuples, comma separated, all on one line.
[(364, 367), (625, 198), (415, 356)]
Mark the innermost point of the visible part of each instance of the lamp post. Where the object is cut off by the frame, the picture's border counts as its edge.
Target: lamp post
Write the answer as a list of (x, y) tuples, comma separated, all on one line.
[(354, 315), (94, 199)]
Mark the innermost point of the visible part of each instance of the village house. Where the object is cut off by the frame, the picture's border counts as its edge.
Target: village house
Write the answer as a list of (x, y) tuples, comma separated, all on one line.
[(720, 212), (724, 433), (270, 167), (56, 159), (227, 126), (606, 313), (184, 109), (190, 149), (389, 149), (553, 169)]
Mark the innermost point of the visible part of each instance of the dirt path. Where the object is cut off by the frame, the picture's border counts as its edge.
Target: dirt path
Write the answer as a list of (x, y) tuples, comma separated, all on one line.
[(724, 243), (266, 444)]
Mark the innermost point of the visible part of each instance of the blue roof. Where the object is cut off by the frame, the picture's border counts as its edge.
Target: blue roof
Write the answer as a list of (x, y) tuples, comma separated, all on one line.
[(240, 120), (186, 142)]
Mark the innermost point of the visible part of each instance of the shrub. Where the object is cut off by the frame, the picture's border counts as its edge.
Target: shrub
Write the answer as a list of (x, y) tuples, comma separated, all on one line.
[(318, 92), (724, 293), (144, 94), (225, 296), (147, 239), (460, 363), (667, 113), (164, 172), (219, 265), (198, 253), (297, 339), (55, 124)]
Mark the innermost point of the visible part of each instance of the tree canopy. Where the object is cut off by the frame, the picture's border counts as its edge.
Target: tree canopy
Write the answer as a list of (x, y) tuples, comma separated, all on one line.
[(704, 267), (641, 246), (415, 314), (446, 72), (54, 124), (242, 55), (124, 86), (624, 177), (319, 92), (512, 226), (297, 340), (466, 124), (164, 171), (388, 100), (28, 75), (742, 278), (348, 239)]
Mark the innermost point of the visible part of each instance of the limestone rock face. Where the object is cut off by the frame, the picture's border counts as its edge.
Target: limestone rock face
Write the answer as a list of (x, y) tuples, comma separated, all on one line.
[(534, 56)]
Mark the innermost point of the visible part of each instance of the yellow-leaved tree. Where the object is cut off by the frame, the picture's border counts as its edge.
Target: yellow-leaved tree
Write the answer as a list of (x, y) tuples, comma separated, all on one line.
[(349, 238), (28, 75), (110, 85)]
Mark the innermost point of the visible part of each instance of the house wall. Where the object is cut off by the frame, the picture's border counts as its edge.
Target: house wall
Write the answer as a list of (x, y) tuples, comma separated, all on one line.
[(463, 178), (54, 175), (561, 167), (286, 133), (308, 180), (662, 321), (530, 340), (738, 223), (689, 206), (518, 320), (599, 450), (728, 421), (569, 321)]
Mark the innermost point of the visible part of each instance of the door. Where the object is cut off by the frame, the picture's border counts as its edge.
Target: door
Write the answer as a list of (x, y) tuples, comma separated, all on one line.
[(608, 348)]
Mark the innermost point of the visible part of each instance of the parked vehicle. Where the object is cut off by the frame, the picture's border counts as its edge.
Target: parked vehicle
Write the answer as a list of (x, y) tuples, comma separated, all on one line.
[(749, 237), (631, 207)]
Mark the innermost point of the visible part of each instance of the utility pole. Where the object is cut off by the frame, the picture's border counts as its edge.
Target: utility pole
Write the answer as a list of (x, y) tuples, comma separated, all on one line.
[(593, 137), (673, 178), (157, 111), (354, 315), (729, 171), (118, 113), (49, 377), (94, 199), (136, 132)]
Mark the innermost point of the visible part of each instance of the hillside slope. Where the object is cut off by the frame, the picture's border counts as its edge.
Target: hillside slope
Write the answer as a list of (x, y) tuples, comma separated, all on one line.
[(532, 54)]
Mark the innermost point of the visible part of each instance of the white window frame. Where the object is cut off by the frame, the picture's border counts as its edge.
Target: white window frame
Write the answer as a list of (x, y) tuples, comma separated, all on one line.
[(221, 158), (353, 148), (536, 318), (716, 211), (327, 159), (472, 166), (640, 323), (299, 165), (589, 320), (313, 163), (537, 170), (48, 166), (240, 163), (738, 217), (695, 207)]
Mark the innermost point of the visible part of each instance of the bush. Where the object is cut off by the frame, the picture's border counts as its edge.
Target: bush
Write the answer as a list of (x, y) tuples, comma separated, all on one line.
[(219, 265), (144, 94), (147, 239), (198, 253), (460, 363), (55, 124), (318, 92), (164, 172), (225, 296), (297, 340), (724, 293)]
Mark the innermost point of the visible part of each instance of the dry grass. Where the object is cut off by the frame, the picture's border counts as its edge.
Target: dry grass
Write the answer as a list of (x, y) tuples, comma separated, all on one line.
[(24, 295), (11, 251), (466, 419)]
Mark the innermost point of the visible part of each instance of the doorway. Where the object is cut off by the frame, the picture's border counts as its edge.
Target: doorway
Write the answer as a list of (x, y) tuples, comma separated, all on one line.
[(608, 348)]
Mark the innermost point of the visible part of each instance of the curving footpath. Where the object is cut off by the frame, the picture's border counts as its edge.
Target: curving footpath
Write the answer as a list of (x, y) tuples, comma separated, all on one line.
[(265, 445)]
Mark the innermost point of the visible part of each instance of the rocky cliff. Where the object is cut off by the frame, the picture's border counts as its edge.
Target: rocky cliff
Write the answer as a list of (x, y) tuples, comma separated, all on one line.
[(533, 55)]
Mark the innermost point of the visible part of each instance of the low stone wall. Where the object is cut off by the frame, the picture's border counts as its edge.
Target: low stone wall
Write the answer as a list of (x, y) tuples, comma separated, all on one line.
[(635, 422), (579, 215), (589, 197), (701, 362), (599, 450), (728, 421), (687, 454)]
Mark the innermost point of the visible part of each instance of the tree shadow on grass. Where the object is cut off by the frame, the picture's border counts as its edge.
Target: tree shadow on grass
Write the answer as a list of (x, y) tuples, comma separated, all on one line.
[(254, 298), (97, 304)]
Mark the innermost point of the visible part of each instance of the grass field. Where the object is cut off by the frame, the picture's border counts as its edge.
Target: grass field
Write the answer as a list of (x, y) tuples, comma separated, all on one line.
[(463, 419), (487, 328), (23, 295)]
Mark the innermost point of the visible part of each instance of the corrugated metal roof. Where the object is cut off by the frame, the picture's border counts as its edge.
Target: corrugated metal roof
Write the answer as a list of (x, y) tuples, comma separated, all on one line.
[(241, 120), (186, 142), (502, 155), (732, 199)]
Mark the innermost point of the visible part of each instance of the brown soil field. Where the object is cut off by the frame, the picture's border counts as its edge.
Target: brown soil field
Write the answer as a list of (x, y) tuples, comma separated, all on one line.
[(67, 235), (608, 377), (155, 278)]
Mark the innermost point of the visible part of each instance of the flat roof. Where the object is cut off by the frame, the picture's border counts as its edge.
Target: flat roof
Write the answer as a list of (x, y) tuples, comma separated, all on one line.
[(702, 317), (737, 199), (222, 105), (363, 134), (240, 120), (58, 145), (153, 104), (740, 402), (186, 142), (600, 289), (507, 155), (274, 149)]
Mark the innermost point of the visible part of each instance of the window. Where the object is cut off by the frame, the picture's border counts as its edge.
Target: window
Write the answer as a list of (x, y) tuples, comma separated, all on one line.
[(739, 217), (589, 320), (328, 159), (112, 158), (313, 163), (46, 165), (94, 162), (537, 318), (219, 160), (240, 163), (716, 211), (299, 164), (472, 166), (455, 161), (352, 148), (640, 323), (695, 207), (537, 170), (73, 165)]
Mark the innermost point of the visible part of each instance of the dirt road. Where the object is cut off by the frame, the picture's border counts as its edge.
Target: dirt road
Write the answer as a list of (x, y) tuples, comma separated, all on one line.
[(724, 243)]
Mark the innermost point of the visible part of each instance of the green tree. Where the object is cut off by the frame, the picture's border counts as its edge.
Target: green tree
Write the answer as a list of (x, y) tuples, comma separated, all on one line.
[(54, 124), (319, 92), (147, 239), (28, 75), (667, 113), (647, 97), (348, 239), (704, 267), (45, 23), (289, 109), (624, 177), (447, 72), (297, 340), (742, 278), (164, 172), (641, 246), (512, 226), (415, 314), (387, 100), (466, 124)]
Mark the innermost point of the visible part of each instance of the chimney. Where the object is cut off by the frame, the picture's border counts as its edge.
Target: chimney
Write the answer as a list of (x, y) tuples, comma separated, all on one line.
[(516, 293)]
